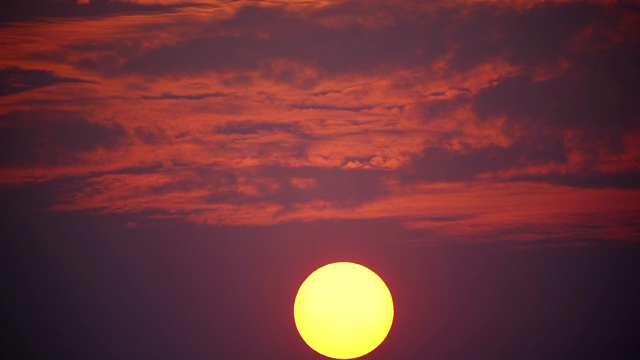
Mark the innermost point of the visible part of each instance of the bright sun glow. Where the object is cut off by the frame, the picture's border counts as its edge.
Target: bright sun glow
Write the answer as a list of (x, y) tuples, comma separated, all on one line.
[(343, 310)]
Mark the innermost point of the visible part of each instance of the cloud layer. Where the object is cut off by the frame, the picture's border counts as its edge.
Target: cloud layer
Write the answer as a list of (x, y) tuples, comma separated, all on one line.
[(459, 120)]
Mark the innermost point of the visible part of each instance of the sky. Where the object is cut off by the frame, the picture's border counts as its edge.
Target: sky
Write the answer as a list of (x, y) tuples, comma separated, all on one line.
[(172, 170)]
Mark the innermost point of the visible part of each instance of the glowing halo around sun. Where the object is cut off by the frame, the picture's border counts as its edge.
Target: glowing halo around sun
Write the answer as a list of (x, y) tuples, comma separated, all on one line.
[(343, 310)]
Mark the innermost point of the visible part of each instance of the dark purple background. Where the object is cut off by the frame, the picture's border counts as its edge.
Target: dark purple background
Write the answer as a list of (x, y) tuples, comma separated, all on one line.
[(170, 174), (83, 286)]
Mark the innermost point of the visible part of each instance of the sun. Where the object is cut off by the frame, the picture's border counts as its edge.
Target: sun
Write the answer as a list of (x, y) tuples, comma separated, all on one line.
[(343, 310)]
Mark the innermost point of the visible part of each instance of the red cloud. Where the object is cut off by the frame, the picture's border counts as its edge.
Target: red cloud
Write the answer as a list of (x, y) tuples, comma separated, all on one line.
[(491, 120)]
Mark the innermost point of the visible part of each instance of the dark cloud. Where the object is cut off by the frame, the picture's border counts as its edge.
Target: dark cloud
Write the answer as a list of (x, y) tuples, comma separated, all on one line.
[(237, 44), (620, 180), (440, 108), (340, 187), (30, 138), (537, 36), (473, 35), (284, 186), (16, 80), (255, 127), (597, 97), (447, 218), (598, 94), (188, 58), (151, 136), (171, 96), (441, 164), (25, 10), (594, 98), (331, 107)]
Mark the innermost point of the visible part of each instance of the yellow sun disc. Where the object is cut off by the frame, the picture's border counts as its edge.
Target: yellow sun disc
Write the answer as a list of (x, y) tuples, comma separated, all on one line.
[(343, 310)]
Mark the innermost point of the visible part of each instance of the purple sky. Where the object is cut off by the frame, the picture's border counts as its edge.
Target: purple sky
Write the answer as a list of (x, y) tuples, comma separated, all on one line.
[(172, 170)]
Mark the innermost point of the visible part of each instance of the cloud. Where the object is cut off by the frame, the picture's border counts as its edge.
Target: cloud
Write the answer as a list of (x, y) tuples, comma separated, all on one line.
[(536, 36), (438, 164), (256, 127), (334, 40), (35, 138), (591, 106), (171, 96), (597, 93), (16, 80), (474, 119), (29, 10), (255, 36), (618, 180)]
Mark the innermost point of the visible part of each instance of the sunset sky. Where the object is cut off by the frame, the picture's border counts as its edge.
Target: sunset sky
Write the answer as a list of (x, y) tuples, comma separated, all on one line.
[(172, 170)]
